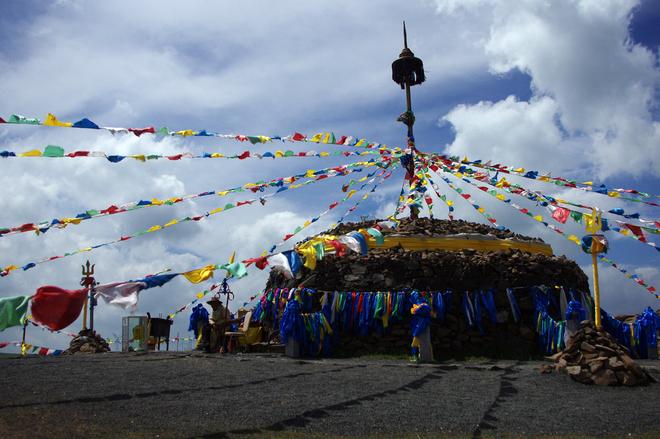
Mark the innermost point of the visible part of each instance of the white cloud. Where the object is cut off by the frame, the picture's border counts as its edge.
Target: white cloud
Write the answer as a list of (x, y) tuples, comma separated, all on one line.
[(582, 64)]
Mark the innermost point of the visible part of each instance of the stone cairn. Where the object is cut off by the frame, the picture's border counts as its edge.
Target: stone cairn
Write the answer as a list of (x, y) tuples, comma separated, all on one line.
[(89, 342), (396, 269), (594, 357)]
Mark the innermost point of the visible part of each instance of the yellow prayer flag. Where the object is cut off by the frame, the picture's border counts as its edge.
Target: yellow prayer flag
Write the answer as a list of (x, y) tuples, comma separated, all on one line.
[(52, 121), (154, 228), (575, 239), (521, 170), (538, 218), (361, 142), (481, 210), (232, 258), (279, 153), (185, 133), (310, 173), (157, 202), (450, 203), (324, 154), (222, 193), (171, 223), (500, 197), (31, 153), (614, 194), (217, 155), (200, 295), (588, 183), (216, 210), (199, 275), (351, 193), (139, 157), (316, 137), (71, 220)]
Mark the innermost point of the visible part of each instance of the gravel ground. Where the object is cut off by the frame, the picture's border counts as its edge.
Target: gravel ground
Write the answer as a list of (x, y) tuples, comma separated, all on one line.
[(197, 395)]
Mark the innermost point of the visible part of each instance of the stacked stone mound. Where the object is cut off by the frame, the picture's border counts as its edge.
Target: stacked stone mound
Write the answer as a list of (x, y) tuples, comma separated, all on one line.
[(396, 269), (87, 342), (594, 357)]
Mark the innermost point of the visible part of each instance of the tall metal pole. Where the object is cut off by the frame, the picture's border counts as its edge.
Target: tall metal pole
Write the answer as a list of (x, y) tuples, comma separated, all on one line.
[(407, 71)]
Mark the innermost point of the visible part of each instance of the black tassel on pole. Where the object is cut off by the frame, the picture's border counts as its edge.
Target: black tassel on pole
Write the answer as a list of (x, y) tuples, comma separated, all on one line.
[(408, 69)]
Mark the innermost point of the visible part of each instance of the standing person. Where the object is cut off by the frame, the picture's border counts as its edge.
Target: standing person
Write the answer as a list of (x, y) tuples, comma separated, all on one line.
[(199, 319)]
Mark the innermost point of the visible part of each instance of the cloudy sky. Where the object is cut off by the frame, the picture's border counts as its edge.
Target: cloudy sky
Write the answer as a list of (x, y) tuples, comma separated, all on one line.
[(566, 86)]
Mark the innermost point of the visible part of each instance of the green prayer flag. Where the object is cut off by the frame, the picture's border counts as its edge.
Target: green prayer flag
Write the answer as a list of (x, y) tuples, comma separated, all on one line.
[(237, 270), (163, 131), (53, 151), (12, 311), (288, 153), (16, 118), (577, 216)]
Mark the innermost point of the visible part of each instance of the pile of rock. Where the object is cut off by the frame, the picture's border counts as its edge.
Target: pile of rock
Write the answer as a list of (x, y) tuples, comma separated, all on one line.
[(433, 227), (89, 342), (594, 357), (396, 269)]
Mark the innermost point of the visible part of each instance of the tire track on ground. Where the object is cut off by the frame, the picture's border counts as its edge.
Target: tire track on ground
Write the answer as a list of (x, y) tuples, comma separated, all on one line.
[(126, 396), (506, 391), (308, 416)]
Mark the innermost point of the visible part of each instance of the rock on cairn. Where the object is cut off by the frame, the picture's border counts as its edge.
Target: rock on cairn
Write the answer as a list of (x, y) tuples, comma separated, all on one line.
[(87, 342), (594, 357)]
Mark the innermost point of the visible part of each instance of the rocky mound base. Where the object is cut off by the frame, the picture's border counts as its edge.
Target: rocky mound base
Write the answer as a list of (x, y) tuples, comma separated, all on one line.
[(594, 357), (88, 342)]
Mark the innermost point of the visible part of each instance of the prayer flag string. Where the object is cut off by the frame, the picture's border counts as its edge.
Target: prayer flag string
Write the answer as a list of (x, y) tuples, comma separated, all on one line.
[(54, 151), (330, 138), (574, 239), (7, 270), (280, 183)]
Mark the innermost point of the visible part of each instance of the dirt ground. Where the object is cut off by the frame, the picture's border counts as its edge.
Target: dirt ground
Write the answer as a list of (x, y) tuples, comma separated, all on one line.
[(180, 394)]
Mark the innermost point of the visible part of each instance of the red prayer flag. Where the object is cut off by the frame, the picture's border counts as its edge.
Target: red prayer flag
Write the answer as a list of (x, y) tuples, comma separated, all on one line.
[(245, 155), (561, 214), (637, 231), (333, 205), (78, 154), (139, 131), (2, 120), (298, 137), (174, 157), (43, 351), (57, 308), (110, 210), (26, 227)]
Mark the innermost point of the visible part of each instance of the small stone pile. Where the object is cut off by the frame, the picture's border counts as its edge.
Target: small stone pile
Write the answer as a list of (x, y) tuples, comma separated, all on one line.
[(89, 342), (594, 357)]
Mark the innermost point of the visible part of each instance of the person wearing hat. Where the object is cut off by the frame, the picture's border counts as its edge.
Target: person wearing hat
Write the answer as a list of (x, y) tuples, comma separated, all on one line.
[(218, 323)]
